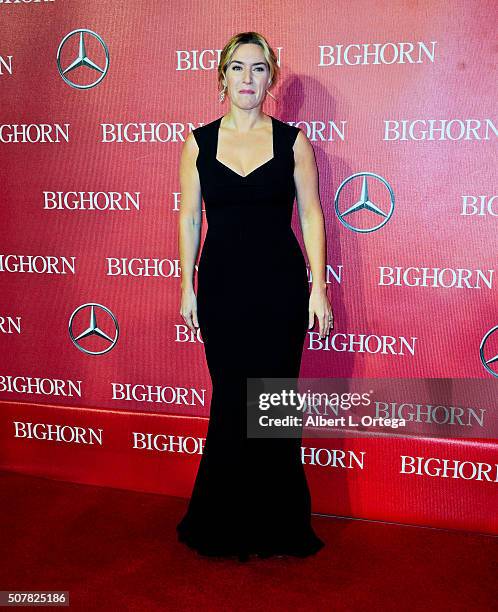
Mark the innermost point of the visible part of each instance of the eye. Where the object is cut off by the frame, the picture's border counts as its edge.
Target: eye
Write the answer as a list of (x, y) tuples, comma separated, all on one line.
[(258, 68)]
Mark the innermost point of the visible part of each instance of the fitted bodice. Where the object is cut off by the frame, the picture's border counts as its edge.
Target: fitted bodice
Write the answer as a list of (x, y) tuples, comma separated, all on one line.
[(265, 196), (250, 250)]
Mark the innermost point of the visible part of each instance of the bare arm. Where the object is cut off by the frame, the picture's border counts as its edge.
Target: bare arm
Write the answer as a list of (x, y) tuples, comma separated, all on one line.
[(189, 227), (312, 226), (309, 208)]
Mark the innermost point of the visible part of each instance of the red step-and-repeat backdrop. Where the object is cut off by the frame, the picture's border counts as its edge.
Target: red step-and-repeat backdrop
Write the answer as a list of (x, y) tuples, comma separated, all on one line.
[(100, 379)]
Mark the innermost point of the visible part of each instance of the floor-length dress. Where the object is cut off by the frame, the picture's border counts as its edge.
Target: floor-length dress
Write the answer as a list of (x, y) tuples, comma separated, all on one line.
[(250, 495)]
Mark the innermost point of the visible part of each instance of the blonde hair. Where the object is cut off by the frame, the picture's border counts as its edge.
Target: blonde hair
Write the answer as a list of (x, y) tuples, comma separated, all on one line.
[(244, 38)]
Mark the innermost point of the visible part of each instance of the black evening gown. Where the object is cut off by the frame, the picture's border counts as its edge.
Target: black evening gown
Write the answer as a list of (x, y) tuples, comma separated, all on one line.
[(250, 495)]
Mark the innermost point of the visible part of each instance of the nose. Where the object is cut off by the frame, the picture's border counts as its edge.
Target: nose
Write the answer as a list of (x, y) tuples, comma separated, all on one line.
[(247, 75)]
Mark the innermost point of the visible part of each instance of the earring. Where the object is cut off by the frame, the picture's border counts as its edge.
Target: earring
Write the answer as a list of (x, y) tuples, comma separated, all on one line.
[(270, 94), (222, 93)]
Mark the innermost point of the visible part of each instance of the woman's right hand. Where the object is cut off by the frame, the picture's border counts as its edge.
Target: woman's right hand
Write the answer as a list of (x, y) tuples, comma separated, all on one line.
[(188, 308)]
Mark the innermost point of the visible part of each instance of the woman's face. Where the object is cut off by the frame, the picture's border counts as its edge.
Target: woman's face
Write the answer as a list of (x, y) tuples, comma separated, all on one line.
[(247, 76)]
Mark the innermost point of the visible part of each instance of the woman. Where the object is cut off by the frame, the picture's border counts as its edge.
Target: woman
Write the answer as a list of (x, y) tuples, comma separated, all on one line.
[(253, 306)]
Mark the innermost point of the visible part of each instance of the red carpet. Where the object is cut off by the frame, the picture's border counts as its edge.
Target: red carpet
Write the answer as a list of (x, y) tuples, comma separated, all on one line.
[(117, 550)]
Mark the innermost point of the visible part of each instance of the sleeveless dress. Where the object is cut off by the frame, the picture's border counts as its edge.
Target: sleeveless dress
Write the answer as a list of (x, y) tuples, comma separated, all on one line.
[(250, 495)]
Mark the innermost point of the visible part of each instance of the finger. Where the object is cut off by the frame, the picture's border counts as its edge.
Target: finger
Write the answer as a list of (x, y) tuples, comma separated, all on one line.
[(311, 317), (329, 325), (196, 322), (325, 324)]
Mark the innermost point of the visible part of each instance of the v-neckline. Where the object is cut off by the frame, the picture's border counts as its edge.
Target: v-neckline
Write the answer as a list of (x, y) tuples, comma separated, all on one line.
[(243, 176)]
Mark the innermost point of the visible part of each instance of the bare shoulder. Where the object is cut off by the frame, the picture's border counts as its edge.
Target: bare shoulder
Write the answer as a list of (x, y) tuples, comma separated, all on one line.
[(197, 137), (190, 146), (190, 152), (303, 149), (302, 142)]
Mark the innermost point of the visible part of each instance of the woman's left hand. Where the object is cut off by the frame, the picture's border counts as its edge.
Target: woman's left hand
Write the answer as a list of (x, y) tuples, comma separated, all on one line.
[(320, 306)]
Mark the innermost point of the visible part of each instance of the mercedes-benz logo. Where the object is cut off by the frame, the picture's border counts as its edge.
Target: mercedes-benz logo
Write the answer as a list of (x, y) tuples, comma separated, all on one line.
[(93, 329), (82, 59), (364, 203), (486, 362)]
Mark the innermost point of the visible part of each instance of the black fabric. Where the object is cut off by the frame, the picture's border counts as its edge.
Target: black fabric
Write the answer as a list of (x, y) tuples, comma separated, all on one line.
[(250, 495)]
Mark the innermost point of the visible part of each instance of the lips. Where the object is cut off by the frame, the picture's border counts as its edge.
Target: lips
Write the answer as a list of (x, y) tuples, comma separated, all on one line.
[(247, 91)]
